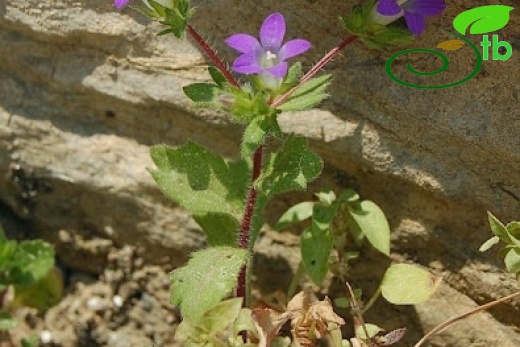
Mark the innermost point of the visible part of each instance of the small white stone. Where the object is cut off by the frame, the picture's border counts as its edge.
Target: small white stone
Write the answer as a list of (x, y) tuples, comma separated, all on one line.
[(46, 336), (95, 304), (117, 300)]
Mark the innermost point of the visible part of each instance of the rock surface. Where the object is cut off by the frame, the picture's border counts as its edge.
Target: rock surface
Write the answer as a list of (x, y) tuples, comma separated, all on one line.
[(85, 91)]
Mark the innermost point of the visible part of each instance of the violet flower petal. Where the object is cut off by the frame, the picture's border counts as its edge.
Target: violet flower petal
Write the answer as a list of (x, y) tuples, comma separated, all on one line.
[(279, 70), (272, 31), (120, 3), (243, 43), (425, 7), (293, 48), (388, 7), (415, 22), (247, 64)]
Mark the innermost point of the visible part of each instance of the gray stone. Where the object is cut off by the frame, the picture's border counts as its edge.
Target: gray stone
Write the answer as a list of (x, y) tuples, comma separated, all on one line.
[(85, 91)]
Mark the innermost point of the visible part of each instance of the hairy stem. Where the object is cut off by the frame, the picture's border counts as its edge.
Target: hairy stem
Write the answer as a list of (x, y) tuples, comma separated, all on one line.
[(445, 325), (245, 227), (317, 67), (212, 55)]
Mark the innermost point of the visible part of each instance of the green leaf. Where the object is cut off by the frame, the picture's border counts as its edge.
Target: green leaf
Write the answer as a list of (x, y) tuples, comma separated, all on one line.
[(177, 18), (220, 229), (32, 341), (293, 74), (308, 94), (349, 196), (39, 258), (217, 76), (218, 326), (405, 284), (322, 216), (371, 329), (295, 214), (373, 224), (498, 228), (207, 278), (256, 132), (514, 229), (512, 260), (24, 263), (43, 294), (245, 322), (199, 180), (290, 169), (326, 197), (221, 316), (316, 243), (483, 19), (7, 322), (344, 302), (489, 243), (315, 249), (204, 94)]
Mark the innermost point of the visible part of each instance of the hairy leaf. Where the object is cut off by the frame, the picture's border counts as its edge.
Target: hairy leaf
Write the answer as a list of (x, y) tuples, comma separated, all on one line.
[(217, 76), (256, 132), (207, 278), (290, 169), (220, 229), (203, 94), (200, 181), (308, 95)]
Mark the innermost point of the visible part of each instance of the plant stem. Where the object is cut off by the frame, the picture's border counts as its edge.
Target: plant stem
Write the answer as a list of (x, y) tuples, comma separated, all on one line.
[(317, 67), (295, 281), (245, 228), (358, 320), (212, 55), (372, 300), (443, 326)]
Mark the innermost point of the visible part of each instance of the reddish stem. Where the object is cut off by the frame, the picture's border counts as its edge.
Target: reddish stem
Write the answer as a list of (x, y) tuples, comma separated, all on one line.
[(212, 55), (245, 227), (317, 67)]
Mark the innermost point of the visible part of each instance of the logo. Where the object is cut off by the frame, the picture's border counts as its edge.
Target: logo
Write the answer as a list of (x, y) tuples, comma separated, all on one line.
[(480, 21)]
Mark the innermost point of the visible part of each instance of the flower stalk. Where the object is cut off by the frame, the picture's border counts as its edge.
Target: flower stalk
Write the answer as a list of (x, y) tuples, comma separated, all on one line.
[(245, 227), (212, 55), (317, 67)]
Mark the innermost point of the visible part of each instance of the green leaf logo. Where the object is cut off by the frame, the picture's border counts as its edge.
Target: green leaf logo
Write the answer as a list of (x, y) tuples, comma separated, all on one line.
[(482, 19)]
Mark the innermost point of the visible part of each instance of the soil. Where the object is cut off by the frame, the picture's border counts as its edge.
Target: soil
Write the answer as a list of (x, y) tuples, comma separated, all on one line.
[(127, 305)]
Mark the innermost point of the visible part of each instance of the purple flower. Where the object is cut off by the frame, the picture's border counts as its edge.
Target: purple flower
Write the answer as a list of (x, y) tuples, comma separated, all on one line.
[(414, 11), (165, 3), (121, 3), (267, 56)]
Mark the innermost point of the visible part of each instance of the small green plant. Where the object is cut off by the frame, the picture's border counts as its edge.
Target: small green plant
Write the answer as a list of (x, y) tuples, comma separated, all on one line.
[(27, 278), (227, 197), (510, 235)]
